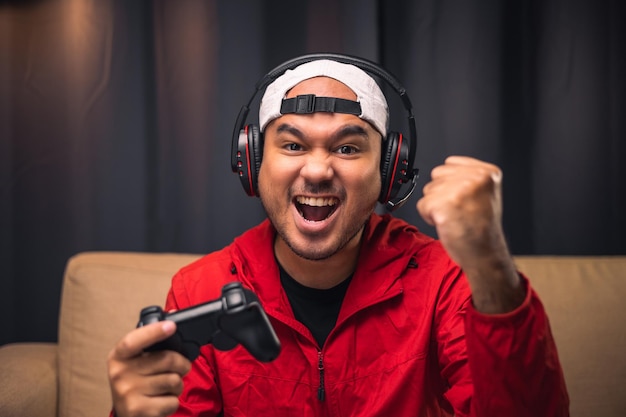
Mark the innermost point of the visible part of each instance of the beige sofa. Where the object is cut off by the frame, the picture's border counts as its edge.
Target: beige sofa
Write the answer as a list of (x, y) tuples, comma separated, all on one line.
[(103, 293)]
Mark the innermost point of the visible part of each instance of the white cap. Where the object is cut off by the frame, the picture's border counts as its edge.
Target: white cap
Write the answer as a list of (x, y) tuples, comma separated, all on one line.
[(374, 107)]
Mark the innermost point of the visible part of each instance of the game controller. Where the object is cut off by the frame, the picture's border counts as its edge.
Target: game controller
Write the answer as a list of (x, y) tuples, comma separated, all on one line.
[(235, 318)]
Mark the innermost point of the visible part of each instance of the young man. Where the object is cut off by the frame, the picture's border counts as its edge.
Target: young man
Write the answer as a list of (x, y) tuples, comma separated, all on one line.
[(374, 318)]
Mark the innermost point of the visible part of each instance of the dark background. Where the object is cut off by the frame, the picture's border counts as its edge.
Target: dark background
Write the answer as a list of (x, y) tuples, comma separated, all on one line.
[(116, 119)]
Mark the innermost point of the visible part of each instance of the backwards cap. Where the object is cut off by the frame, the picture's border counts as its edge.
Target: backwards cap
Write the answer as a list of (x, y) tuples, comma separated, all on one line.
[(372, 101)]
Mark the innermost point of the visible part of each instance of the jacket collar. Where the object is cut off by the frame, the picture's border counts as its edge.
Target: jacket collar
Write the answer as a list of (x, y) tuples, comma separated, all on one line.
[(388, 245)]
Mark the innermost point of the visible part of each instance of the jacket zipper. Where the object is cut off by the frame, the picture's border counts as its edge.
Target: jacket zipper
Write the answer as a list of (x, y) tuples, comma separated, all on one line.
[(321, 392)]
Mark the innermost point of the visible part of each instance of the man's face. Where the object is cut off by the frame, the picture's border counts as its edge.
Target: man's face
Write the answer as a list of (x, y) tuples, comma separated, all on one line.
[(319, 179)]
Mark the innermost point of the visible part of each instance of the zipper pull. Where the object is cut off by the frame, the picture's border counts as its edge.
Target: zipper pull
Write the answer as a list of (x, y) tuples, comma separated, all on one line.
[(321, 392)]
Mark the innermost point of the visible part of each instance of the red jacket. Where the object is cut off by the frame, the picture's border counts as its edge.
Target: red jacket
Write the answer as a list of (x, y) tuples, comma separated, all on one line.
[(407, 340)]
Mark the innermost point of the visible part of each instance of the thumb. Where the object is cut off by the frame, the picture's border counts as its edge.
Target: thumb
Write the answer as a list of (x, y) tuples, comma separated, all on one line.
[(137, 340)]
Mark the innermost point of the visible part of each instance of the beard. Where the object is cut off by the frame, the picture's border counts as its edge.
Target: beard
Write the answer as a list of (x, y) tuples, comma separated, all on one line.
[(315, 247), (313, 253)]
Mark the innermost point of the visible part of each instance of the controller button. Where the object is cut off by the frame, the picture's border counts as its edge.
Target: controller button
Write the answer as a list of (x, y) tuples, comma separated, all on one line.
[(150, 315), (234, 299)]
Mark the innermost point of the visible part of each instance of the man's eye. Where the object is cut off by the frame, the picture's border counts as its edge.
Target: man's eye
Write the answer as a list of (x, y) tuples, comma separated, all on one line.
[(293, 147), (347, 150)]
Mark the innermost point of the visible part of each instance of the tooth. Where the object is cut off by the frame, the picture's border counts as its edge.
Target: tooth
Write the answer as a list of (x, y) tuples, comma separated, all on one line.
[(316, 201)]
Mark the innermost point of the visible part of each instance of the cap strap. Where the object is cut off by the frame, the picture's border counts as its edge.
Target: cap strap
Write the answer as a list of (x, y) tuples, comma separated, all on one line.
[(309, 103)]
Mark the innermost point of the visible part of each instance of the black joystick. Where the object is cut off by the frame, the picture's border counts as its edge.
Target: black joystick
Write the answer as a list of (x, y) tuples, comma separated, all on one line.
[(235, 318)]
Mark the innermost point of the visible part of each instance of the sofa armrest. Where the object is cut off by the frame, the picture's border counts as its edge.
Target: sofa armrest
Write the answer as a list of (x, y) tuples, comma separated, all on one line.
[(28, 377)]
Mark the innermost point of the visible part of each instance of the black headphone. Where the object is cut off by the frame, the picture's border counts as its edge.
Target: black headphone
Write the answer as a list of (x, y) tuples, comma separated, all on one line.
[(398, 154)]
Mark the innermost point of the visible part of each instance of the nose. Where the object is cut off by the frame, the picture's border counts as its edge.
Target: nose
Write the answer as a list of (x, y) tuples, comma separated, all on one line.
[(317, 167)]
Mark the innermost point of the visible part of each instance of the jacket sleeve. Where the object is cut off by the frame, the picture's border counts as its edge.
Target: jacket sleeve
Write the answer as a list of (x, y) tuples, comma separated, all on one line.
[(510, 366)]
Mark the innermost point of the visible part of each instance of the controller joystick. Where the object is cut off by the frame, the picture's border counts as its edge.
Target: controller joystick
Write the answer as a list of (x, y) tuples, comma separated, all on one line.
[(235, 318)]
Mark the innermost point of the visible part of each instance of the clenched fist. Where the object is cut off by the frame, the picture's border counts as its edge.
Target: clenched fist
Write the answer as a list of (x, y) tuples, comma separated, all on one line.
[(463, 201)]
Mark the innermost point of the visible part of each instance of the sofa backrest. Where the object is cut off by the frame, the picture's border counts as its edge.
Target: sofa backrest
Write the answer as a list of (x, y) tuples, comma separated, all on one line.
[(585, 298), (104, 292), (101, 299)]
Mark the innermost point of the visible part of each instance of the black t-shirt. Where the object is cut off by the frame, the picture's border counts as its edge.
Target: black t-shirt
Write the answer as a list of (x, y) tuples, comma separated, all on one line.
[(316, 309)]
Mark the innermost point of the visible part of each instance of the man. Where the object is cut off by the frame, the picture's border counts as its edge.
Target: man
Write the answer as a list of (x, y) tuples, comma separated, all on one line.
[(374, 318)]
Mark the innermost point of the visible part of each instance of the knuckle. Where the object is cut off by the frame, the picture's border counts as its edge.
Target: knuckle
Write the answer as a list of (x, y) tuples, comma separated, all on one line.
[(172, 380), (133, 408), (186, 366), (167, 384), (170, 407), (178, 387), (169, 360), (115, 371), (488, 177), (121, 348), (123, 387), (178, 363)]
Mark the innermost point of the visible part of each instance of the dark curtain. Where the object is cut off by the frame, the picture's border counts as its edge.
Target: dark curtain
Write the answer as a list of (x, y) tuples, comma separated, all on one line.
[(116, 119)]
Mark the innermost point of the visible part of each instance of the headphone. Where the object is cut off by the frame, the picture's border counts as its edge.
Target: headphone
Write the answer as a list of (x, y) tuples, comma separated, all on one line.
[(398, 153)]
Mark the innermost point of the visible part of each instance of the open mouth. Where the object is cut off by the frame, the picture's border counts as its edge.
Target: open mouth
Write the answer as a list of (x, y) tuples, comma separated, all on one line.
[(316, 209)]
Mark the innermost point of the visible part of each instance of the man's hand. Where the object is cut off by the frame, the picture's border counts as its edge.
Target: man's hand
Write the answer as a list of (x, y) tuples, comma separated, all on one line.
[(146, 383), (464, 203)]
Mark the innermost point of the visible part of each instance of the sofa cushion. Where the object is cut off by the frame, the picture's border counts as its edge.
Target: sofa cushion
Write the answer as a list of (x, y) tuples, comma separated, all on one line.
[(28, 372), (103, 294)]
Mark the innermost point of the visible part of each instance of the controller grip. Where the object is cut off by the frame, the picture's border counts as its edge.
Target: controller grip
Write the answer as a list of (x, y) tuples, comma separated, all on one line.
[(252, 328)]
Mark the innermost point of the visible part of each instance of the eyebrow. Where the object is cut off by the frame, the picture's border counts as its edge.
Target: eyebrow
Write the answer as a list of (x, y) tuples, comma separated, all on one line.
[(347, 130)]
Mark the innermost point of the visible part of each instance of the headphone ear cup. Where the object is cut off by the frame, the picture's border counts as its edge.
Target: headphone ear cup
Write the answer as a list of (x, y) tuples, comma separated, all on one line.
[(248, 158), (255, 138), (393, 166), (255, 149)]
